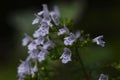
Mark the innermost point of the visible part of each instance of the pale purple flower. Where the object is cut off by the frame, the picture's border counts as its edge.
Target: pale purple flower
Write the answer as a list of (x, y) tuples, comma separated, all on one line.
[(63, 31), (42, 16), (42, 54), (37, 19), (37, 33), (70, 39), (39, 40), (46, 22), (55, 16), (32, 54), (98, 41), (32, 46), (46, 13), (56, 10), (48, 44), (26, 40), (46, 17), (24, 69), (103, 77), (42, 31), (66, 56)]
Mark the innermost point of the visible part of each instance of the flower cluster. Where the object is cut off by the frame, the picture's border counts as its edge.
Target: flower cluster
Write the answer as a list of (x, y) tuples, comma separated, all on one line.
[(41, 43)]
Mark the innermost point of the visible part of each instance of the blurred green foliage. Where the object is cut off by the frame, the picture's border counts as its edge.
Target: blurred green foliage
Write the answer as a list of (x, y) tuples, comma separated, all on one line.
[(96, 60)]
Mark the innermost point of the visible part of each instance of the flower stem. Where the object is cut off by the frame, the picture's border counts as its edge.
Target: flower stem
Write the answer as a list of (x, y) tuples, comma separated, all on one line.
[(39, 77), (82, 64)]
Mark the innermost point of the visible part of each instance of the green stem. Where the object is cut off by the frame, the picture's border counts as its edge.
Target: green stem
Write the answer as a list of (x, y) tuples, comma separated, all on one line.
[(82, 64), (38, 75)]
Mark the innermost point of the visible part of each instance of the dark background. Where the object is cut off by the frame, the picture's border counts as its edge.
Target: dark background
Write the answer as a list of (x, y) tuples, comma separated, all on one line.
[(99, 17)]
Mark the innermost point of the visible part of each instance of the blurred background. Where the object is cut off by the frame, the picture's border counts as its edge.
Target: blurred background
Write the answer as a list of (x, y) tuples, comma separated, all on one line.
[(96, 17)]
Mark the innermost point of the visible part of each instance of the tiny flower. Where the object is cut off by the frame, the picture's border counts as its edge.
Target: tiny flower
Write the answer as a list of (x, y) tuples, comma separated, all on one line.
[(56, 10), (66, 56), (32, 46), (40, 13), (46, 22), (39, 40), (63, 31), (54, 15), (42, 54), (36, 20), (103, 77), (98, 41), (26, 40), (70, 39), (55, 18), (46, 12), (32, 54), (42, 31), (24, 69), (48, 44)]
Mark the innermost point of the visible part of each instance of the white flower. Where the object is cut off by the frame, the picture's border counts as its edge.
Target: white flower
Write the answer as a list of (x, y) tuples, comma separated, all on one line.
[(35, 21), (32, 46), (63, 31), (40, 13), (42, 54), (26, 40), (98, 41), (103, 77), (42, 31), (66, 56)]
